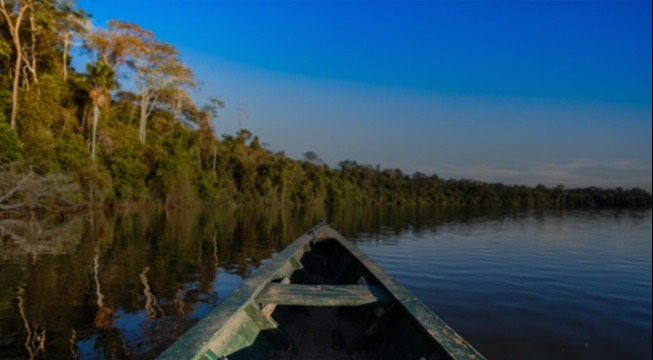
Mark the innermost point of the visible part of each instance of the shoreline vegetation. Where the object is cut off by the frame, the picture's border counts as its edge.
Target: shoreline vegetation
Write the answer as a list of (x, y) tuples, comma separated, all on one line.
[(71, 140)]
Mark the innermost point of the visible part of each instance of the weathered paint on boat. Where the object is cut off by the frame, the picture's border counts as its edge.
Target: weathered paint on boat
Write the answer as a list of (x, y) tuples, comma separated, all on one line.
[(306, 280)]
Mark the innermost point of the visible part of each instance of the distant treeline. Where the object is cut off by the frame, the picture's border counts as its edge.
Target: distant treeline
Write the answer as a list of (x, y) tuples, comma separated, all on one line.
[(71, 139)]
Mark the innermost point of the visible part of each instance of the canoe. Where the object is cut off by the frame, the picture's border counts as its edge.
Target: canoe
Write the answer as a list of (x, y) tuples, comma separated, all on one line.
[(321, 298)]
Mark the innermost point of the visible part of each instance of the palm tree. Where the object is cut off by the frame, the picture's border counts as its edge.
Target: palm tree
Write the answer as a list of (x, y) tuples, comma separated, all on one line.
[(101, 79)]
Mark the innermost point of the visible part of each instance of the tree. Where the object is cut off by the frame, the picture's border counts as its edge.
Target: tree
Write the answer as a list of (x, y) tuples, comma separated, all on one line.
[(203, 118), (101, 79), (5, 49), (42, 15), (311, 157), (10, 145), (179, 103), (157, 68), (71, 22), (155, 64), (13, 14), (37, 9), (115, 44)]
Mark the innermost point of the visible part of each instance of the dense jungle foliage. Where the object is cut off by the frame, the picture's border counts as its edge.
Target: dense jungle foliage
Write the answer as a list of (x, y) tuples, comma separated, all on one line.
[(70, 138)]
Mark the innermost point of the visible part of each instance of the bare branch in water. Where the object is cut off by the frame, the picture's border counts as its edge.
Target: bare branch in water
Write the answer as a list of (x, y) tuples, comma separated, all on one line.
[(23, 188)]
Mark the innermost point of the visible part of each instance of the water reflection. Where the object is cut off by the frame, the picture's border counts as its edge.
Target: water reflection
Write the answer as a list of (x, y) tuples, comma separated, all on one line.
[(117, 285), (126, 284)]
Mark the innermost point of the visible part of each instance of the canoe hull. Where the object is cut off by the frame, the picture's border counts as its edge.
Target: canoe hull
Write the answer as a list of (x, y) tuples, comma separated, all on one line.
[(321, 298)]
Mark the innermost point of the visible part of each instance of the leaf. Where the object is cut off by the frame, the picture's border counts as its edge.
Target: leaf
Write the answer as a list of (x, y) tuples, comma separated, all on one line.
[(5, 49)]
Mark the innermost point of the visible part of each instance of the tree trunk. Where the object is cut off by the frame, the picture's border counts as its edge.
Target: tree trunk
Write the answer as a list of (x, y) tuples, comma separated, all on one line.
[(215, 155), (177, 106), (14, 91), (14, 30), (143, 123), (25, 76), (31, 65), (96, 117), (64, 56)]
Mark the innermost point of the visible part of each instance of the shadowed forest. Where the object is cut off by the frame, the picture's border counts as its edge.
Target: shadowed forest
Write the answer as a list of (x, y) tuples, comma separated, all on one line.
[(71, 138)]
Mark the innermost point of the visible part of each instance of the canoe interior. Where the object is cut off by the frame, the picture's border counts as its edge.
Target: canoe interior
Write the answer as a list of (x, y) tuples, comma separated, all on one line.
[(321, 300)]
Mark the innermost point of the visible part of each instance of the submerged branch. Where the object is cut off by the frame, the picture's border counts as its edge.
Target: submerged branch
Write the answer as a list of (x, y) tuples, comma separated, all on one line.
[(21, 189)]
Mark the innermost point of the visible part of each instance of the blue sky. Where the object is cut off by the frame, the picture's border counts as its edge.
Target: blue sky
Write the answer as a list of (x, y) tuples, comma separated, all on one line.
[(523, 92)]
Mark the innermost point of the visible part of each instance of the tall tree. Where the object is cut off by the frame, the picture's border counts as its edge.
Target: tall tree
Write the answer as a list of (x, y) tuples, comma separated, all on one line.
[(71, 23), (206, 130), (155, 64), (157, 68), (117, 44), (14, 12), (101, 79), (41, 16), (30, 57)]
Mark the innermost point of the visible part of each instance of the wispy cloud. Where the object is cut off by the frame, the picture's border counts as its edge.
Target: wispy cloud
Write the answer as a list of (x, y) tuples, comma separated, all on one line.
[(581, 172)]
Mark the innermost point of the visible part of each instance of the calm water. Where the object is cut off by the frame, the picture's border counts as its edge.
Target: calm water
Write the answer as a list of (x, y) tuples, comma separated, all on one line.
[(536, 285)]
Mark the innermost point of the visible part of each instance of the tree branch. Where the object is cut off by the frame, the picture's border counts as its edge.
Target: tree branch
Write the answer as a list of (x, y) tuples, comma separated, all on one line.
[(17, 187)]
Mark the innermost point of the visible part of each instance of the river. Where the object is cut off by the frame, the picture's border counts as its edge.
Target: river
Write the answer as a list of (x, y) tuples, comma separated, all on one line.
[(516, 285)]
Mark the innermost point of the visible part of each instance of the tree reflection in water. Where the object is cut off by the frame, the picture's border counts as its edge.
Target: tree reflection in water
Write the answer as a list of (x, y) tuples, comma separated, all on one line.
[(35, 335), (126, 284), (103, 319)]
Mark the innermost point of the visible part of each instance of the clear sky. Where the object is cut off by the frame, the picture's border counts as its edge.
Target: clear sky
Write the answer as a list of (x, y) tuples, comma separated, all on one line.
[(521, 92)]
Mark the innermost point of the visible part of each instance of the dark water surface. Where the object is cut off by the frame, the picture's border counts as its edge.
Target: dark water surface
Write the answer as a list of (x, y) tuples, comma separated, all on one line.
[(530, 285)]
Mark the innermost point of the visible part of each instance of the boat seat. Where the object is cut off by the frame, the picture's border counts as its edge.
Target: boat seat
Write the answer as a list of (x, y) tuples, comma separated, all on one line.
[(322, 295)]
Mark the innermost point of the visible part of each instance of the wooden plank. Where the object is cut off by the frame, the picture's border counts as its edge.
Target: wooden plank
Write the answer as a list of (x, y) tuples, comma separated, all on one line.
[(317, 295), (214, 333), (268, 309)]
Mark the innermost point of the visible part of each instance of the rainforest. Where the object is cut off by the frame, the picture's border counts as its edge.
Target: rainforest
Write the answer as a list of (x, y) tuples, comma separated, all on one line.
[(126, 131)]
